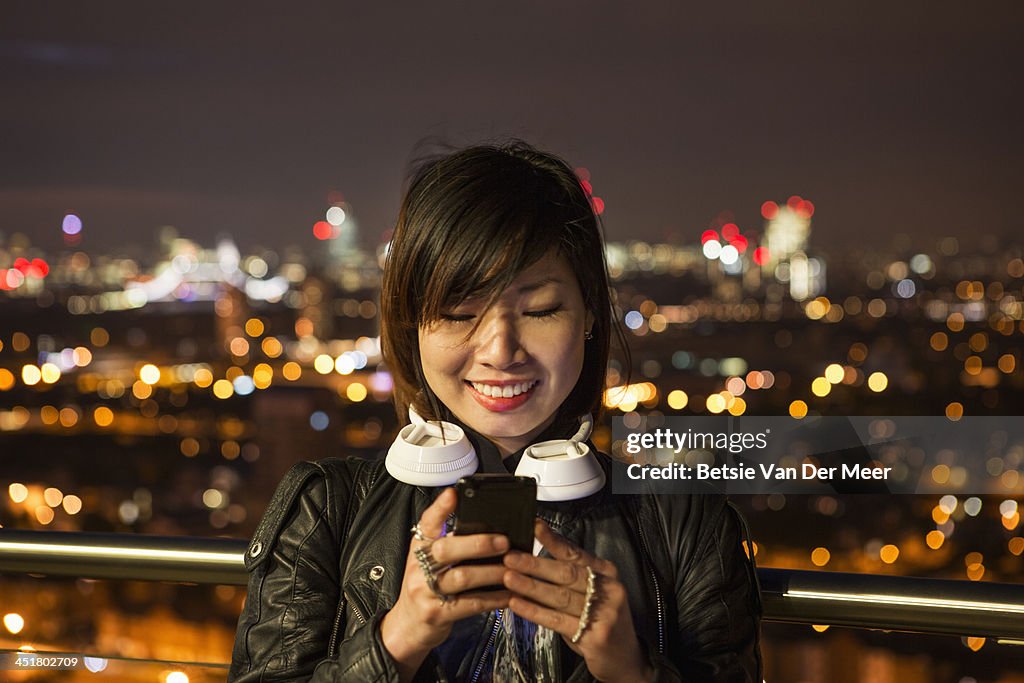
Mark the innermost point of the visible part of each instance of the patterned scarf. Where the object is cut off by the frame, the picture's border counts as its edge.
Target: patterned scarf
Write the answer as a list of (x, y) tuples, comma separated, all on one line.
[(524, 652)]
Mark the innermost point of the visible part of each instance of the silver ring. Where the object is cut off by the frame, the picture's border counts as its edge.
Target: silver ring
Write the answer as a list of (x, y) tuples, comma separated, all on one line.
[(430, 569), (588, 601), (418, 534)]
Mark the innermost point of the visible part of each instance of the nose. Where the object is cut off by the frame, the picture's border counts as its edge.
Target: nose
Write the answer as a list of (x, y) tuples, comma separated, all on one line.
[(498, 344)]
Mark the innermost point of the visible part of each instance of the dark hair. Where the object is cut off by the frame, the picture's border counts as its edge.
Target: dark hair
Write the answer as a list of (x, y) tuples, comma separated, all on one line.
[(470, 221)]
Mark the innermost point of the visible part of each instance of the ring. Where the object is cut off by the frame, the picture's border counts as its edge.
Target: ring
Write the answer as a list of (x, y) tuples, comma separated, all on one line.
[(588, 601), (418, 534), (430, 568)]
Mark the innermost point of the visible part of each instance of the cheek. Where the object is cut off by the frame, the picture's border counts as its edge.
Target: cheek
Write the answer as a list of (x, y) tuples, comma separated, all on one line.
[(440, 361), (565, 361)]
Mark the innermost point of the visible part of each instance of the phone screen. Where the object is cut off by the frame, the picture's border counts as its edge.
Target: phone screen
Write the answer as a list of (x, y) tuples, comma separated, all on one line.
[(497, 504)]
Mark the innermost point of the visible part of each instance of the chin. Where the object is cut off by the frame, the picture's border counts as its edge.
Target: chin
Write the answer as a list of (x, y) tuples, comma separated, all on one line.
[(504, 426)]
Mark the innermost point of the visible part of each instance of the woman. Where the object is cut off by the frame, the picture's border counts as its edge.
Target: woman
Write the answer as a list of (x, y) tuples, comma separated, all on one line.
[(495, 316)]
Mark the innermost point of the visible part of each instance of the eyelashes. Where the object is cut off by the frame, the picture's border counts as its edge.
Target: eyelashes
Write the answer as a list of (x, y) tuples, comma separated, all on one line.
[(454, 318), (546, 313), (468, 317)]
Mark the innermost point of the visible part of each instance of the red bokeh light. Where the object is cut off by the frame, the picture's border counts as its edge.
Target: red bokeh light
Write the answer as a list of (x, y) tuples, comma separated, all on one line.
[(740, 242), (38, 268), (322, 230), (769, 210), (3, 279), (598, 205), (708, 235), (761, 256), (583, 173), (21, 264), (794, 201), (805, 209), (587, 187), (729, 231)]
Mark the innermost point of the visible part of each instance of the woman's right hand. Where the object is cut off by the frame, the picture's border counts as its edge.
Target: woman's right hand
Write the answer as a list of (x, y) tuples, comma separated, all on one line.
[(420, 620)]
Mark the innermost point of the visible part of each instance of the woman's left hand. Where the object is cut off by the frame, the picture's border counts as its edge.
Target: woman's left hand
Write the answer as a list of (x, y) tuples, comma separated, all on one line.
[(551, 592)]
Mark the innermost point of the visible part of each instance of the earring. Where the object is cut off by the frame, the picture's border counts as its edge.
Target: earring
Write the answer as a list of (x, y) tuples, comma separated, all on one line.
[(589, 335)]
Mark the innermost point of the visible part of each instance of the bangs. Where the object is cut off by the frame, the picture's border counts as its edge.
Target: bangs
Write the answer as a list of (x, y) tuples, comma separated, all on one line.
[(482, 273), (488, 242)]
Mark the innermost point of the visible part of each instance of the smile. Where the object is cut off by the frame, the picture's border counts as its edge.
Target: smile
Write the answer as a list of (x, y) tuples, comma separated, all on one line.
[(500, 398), (504, 390)]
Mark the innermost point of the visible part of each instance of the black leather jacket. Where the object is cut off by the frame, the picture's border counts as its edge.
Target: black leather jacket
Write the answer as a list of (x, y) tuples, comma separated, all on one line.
[(327, 560)]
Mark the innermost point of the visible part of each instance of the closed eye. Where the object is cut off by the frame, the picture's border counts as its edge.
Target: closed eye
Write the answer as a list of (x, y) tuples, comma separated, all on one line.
[(457, 317), (547, 312)]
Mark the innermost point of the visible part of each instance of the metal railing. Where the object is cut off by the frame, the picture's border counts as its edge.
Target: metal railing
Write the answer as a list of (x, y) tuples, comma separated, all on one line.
[(893, 603)]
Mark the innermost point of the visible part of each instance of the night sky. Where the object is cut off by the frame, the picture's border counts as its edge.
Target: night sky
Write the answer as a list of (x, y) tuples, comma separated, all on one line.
[(240, 118)]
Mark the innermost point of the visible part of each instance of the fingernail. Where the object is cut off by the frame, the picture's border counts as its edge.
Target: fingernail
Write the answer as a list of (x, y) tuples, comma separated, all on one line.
[(500, 543)]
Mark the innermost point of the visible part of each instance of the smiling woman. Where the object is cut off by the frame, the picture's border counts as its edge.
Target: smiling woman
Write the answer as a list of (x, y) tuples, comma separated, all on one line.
[(496, 321), (506, 367)]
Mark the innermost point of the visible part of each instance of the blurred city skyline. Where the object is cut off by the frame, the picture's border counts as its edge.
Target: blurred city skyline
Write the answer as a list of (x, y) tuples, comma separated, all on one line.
[(233, 119), (810, 210)]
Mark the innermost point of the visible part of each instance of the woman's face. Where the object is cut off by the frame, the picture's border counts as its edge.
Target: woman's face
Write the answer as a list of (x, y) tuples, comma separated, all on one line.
[(507, 380)]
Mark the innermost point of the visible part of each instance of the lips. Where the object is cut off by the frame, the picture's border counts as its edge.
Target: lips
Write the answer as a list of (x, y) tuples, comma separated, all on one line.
[(501, 396)]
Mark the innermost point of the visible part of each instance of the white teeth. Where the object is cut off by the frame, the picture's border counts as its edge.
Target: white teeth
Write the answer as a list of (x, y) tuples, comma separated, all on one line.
[(507, 391)]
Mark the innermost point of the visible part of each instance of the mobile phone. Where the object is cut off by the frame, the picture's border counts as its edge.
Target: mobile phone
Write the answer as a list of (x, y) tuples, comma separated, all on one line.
[(497, 504)]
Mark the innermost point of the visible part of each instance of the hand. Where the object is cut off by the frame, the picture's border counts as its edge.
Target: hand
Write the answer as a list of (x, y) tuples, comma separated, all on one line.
[(420, 620), (551, 592)]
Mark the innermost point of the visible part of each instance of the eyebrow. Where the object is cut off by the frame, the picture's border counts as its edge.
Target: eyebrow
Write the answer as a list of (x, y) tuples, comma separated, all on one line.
[(532, 286)]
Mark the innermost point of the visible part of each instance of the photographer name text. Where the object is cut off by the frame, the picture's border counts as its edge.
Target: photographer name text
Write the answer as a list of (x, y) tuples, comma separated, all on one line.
[(806, 472)]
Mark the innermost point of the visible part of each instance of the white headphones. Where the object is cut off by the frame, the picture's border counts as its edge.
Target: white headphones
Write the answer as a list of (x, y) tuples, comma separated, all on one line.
[(439, 453)]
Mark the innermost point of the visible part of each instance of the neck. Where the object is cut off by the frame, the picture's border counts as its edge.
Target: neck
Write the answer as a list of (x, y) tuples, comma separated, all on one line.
[(507, 445)]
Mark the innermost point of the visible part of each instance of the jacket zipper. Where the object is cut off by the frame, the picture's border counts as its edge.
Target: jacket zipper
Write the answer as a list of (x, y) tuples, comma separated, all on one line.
[(337, 624), (657, 590), (355, 608), (487, 648)]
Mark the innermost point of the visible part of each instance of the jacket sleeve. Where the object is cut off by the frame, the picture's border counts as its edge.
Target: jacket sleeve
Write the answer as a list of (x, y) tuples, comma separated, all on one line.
[(717, 598), (293, 607)]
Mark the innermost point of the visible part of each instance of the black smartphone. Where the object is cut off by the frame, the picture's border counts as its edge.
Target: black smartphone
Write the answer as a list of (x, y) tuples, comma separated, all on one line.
[(497, 504)]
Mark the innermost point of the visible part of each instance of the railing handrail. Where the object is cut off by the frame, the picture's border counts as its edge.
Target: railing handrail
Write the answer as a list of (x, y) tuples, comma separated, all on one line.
[(894, 603), (87, 555)]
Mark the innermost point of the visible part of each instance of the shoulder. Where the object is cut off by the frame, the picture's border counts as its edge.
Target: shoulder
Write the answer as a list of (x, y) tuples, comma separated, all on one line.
[(691, 523), (326, 487), (674, 514)]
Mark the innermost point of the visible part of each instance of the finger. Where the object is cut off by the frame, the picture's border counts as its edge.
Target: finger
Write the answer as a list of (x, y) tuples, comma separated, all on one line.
[(559, 598), (560, 622), (433, 518), (556, 544), (467, 577), (562, 549), (455, 549), (560, 572), (467, 604)]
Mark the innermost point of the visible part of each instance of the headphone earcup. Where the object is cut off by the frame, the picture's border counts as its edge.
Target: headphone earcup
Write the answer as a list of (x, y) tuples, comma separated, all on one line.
[(564, 469), (439, 453), (431, 454)]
